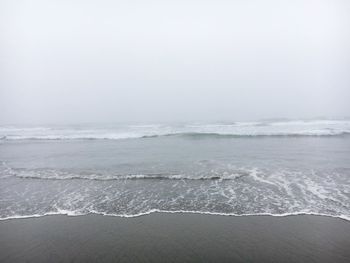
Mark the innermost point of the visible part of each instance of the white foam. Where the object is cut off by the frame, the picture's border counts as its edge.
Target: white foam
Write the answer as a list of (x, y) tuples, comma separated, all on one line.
[(279, 192), (151, 211), (291, 128)]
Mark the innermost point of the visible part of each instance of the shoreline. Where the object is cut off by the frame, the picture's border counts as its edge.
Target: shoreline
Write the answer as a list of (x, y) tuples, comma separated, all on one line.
[(157, 211), (165, 237)]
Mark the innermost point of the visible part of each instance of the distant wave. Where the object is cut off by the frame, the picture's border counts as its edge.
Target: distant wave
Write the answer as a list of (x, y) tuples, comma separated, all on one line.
[(181, 134), (242, 135), (194, 130), (71, 137)]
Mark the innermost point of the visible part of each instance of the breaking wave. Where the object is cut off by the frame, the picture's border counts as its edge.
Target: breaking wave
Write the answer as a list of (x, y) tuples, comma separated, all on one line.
[(240, 192), (277, 134), (52, 174), (220, 130), (184, 135)]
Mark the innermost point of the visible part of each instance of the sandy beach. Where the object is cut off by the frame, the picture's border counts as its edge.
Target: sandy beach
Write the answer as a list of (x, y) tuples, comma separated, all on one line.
[(175, 238), (175, 131)]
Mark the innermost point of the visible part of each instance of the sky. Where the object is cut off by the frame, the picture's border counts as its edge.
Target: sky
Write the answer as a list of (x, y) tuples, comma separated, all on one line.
[(149, 61)]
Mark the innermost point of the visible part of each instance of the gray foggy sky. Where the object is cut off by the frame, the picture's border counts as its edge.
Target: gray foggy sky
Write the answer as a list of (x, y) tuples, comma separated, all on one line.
[(140, 60)]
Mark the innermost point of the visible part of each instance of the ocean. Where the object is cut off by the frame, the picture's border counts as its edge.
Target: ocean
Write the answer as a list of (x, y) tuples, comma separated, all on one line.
[(240, 168)]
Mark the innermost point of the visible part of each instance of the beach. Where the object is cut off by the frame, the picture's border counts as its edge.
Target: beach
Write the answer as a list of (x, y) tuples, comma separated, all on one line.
[(237, 192), (175, 131), (163, 237)]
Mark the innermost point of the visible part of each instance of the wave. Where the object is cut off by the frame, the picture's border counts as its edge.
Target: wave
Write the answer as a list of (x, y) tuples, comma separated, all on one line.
[(151, 211), (55, 174), (277, 193), (241, 135), (181, 134), (195, 130), (65, 176)]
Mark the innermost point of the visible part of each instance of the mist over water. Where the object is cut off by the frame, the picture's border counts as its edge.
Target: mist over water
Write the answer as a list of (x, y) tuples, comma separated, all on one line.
[(167, 61)]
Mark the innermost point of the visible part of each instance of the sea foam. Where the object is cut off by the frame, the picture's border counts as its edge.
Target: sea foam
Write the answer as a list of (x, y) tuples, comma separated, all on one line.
[(238, 129)]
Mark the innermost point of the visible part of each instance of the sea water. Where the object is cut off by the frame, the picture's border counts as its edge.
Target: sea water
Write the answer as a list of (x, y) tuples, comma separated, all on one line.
[(239, 168)]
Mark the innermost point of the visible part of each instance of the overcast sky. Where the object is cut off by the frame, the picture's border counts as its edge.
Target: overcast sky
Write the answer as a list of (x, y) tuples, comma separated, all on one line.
[(64, 61)]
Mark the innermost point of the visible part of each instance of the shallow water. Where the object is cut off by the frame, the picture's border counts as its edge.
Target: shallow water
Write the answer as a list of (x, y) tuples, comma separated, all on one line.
[(274, 168)]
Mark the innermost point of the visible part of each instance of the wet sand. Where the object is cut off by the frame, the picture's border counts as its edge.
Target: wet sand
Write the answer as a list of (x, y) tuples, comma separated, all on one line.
[(175, 238)]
